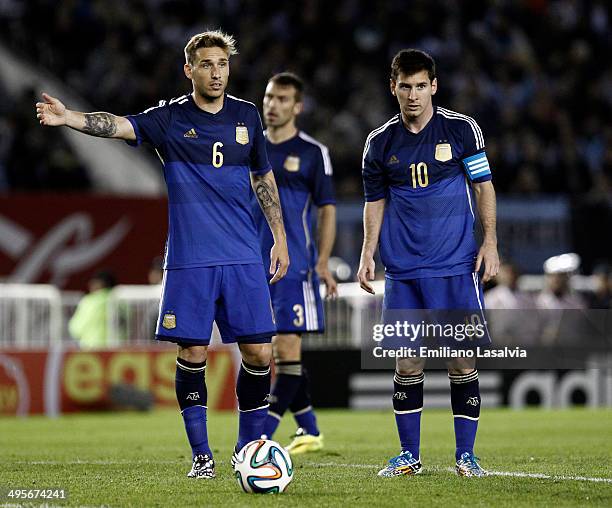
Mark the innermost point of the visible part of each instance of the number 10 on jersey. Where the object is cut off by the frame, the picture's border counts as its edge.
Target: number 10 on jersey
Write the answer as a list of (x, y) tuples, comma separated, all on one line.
[(419, 175)]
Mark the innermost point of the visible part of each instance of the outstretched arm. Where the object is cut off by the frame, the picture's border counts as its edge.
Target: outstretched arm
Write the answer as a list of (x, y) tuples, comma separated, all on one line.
[(373, 213), (53, 113), (484, 193), (266, 191)]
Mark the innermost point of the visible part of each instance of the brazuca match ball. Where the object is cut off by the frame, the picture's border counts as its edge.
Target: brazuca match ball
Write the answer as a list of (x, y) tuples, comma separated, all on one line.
[(263, 467)]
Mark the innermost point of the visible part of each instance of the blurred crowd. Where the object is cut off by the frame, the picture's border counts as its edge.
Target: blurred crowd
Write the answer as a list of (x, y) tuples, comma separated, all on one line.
[(534, 73), (555, 314)]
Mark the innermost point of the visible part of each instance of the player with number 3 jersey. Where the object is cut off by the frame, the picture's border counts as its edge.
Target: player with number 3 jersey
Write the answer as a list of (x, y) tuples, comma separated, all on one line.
[(303, 171)]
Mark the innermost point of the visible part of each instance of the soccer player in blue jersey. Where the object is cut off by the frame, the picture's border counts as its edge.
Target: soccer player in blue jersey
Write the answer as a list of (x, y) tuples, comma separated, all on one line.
[(213, 152), (303, 173), (422, 172)]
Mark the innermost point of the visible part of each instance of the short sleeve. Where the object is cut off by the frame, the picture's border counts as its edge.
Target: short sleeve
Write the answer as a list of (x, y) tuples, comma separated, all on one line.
[(151, 125), (474, 157), (259, 156), (323, 185), (374, 181)]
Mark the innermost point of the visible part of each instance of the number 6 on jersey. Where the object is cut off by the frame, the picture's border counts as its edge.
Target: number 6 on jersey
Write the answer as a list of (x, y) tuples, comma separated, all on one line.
[(217, 155)]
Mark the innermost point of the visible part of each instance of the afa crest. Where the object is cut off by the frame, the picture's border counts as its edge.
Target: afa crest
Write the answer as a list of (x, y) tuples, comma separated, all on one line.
[(443, 152), (292, 163), (169, 321), (242, 135)]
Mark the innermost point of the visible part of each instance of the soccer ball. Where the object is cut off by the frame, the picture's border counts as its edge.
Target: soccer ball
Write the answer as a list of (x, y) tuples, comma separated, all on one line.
[(263, 467)]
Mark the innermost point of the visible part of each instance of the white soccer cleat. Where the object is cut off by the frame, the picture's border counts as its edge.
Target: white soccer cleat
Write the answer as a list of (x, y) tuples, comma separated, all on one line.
[(203, 467)]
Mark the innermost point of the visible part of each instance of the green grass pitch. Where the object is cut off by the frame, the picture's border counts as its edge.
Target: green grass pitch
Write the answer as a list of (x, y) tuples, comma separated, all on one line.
[(130, 459)]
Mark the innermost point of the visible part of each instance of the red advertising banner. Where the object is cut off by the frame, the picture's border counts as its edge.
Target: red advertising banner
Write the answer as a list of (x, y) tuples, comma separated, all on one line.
[(65, 381), (63, 239)]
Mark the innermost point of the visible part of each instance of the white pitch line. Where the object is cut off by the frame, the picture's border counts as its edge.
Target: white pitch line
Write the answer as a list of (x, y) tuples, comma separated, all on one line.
[(548, 476), (492, 473), (514, 474)]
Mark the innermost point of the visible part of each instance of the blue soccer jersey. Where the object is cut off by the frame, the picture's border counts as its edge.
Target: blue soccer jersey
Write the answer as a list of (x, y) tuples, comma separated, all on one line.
[(428, 225), (207, 159), (303, 173)]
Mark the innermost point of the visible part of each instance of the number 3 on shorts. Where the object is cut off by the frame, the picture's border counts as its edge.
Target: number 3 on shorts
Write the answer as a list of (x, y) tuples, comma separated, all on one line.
[(299, 314)]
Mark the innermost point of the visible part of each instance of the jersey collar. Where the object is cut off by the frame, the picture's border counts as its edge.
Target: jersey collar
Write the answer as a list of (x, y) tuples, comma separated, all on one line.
[(292, 138), (211, 115), (424, 129)]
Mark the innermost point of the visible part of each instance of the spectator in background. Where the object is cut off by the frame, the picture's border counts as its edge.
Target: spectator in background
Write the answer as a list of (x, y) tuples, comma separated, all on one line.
[(557, 293), (88, 324), (507, 325), (557, 297), (601, 298), (156, 272), (507, 295)]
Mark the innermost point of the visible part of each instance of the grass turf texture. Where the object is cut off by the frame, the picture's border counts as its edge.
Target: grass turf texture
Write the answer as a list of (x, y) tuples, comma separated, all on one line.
[(130, 459)]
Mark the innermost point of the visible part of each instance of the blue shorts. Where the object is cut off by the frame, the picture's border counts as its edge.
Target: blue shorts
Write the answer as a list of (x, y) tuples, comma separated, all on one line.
[(461, 292), (461, 295), (236, 297), (297, 305)]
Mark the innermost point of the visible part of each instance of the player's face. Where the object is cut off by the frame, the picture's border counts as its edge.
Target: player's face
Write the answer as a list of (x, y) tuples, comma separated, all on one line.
[(279, 105), (209, 72), (414, 93)]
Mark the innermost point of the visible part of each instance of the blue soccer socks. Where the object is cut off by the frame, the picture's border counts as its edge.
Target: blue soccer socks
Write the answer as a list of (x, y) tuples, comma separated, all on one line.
[(465, 401), (192, 398), (407, 406), (252, 390), (301, 406), (288, 380)]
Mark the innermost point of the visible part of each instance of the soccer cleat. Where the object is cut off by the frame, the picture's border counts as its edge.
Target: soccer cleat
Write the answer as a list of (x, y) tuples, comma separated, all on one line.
[(468, 465), (234, 459), (303, 443), (403, 464), (203, 467)]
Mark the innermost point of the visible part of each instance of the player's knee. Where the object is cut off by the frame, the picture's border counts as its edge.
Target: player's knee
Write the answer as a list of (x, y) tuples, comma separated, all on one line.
[(287, 348), (193, 354), (256, 354), (461, 366), (460, 372), (410, 366)]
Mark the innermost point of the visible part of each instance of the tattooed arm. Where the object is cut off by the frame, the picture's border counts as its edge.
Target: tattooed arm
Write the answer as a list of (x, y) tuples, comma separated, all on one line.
[(105, 125), (267, 195)]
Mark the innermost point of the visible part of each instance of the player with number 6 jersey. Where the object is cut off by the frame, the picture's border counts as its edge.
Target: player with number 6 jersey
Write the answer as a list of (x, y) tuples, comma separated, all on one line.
[(212, 149)]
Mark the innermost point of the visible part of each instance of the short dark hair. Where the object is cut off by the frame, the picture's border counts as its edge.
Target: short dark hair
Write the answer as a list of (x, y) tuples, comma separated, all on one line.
[(290, 79), (411, 61), (106, 278)]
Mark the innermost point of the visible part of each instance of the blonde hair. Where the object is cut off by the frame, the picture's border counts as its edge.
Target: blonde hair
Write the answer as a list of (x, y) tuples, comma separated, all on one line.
[(210, 39)]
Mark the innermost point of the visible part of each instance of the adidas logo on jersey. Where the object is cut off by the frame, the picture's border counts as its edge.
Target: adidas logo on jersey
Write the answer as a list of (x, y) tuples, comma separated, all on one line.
[(393, 160), (191, 133)]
